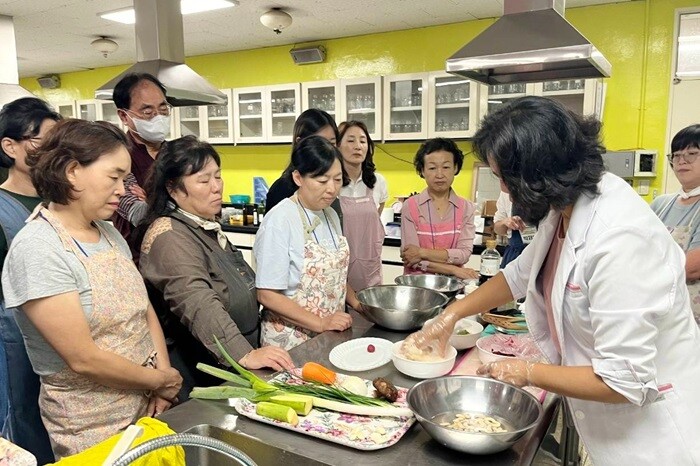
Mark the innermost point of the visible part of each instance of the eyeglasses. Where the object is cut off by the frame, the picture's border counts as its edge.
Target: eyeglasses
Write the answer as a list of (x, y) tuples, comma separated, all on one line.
[(688, 157), (150, 113)]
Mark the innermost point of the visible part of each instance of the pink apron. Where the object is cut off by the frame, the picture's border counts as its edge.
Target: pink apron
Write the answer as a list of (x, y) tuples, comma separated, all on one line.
[(438, 235), (77, 412), (365, 234), (321, 290)]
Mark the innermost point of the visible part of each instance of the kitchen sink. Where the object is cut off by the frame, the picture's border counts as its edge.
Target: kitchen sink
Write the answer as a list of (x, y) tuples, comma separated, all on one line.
[(261, 453)]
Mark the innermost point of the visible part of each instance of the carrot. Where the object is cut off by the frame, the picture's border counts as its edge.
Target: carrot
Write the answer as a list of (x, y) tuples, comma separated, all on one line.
[(314, 372)]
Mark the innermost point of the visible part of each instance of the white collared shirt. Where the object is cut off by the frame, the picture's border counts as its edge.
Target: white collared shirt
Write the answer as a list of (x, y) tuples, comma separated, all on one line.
[(358, 188)]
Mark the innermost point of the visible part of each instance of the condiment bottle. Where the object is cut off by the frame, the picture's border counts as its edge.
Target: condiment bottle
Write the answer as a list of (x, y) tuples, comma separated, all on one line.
[(490, 261)]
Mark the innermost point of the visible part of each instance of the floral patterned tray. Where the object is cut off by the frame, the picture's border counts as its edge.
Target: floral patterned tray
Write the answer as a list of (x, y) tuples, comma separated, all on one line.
[(359, 432)]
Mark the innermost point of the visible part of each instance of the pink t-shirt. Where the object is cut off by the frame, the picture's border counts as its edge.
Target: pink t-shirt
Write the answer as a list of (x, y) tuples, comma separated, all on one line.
[(545, 279)]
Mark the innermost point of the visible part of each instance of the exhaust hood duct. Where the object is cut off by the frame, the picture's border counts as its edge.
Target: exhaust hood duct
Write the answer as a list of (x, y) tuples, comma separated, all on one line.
[(531, 42), (9, 76), (160, 51)]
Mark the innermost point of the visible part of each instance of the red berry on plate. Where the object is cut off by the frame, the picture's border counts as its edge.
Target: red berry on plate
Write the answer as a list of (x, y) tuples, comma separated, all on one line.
[(370, 348)]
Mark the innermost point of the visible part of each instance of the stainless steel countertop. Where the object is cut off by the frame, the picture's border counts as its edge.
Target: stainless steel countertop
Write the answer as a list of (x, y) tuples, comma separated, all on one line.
[(416, 447)]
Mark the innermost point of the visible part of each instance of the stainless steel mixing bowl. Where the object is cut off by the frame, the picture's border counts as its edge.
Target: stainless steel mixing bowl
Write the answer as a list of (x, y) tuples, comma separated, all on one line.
[(399, 307), (439, 400), (449, 286)]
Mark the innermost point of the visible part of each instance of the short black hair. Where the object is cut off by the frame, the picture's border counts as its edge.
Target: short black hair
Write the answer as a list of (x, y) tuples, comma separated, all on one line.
[(314, 156), (686, 138), (310, 122), (176, 159), (21, 119), (122, 91), (547, 155), (435, 145)]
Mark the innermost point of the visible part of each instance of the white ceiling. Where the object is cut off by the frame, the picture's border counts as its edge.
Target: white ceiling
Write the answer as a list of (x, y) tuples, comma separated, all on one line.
[(53, 36)]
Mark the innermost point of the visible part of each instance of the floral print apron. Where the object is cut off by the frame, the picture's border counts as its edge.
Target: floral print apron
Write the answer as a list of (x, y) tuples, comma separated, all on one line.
[(321, 290), (77, 412), (683, 235)]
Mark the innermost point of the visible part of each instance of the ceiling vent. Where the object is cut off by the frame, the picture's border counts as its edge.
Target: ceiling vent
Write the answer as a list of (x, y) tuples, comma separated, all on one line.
[(308, 55)]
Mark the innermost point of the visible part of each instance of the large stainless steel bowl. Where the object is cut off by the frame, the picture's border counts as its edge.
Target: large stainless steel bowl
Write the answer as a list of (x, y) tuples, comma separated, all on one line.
[(449, 286), (399, 307), (439, 400)]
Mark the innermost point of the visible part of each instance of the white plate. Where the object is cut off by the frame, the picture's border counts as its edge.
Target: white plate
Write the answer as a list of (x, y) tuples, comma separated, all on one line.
[(353, 355)]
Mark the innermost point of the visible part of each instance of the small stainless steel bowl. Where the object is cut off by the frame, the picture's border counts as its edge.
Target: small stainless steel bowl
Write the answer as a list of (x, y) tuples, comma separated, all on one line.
[(439, 400), (449, 286), (398, 307)]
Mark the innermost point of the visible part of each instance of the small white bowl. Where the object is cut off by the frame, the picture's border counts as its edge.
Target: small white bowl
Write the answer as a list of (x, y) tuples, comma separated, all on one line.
[(474, 328), (423, 369)]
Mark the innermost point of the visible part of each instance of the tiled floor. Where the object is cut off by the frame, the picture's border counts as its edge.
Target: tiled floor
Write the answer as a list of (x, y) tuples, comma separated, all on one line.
[(544, 458)]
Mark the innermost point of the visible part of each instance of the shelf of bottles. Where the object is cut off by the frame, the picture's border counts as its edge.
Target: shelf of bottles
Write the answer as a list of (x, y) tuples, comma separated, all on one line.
[(406, 107), (250, 115), (190, 123), (218, 122), (569, 92), (322, 98), (284, 111), (499, 94), (360, 104), (452, 102)]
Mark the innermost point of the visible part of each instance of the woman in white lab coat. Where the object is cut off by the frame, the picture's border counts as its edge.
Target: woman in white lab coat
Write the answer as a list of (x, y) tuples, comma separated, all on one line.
[(604, 288)]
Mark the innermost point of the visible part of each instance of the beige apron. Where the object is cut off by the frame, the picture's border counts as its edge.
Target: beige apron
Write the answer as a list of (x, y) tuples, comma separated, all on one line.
[(683, 235), (321, 290), (77, 412)]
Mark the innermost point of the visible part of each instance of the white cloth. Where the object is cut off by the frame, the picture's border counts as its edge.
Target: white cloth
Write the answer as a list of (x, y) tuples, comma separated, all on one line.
[(504, 209), (358, 188), (207, 225), (621, 306), (692, 193), (279, 245)]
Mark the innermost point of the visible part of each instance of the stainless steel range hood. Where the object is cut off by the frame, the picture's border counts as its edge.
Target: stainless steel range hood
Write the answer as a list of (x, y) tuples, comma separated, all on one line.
[(160, 51), (9, 77), (531, 42)]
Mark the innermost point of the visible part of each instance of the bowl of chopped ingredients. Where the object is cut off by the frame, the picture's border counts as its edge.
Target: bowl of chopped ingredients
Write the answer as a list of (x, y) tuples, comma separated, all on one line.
[(473, 414)]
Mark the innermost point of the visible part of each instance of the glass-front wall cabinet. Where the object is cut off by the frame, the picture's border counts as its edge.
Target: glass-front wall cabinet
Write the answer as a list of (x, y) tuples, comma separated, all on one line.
[(361, 101), (405, 108), (96, 110), (323, 95), (211, 123), (582, 96), (452, 106), (266, 114), (65, 109)]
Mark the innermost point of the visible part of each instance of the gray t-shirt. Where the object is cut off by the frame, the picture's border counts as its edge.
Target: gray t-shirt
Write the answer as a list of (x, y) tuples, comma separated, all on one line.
[(38, 266), (678, 215)]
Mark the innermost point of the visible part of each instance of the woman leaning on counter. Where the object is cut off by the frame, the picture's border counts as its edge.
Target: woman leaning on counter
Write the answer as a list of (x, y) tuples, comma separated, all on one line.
[(200, 284), (681, 212), (301, 256), (605, 291), (437, 226), (362, 202), (83, 310)]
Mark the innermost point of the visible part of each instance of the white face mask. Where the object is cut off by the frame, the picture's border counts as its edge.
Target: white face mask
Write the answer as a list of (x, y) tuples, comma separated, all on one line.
[(153, 130)]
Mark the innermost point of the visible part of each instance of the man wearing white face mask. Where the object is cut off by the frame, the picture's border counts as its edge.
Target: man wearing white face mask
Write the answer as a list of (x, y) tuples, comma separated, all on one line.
[(142, 107)]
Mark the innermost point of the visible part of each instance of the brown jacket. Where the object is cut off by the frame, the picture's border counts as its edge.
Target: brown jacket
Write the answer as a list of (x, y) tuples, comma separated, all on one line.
[(176, 264)]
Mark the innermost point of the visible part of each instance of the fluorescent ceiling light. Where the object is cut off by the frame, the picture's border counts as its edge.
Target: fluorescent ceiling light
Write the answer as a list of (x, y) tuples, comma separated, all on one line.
[(127, 16)]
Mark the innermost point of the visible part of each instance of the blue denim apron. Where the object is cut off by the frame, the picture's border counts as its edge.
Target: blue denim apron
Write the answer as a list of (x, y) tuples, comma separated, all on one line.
[(20, 421)]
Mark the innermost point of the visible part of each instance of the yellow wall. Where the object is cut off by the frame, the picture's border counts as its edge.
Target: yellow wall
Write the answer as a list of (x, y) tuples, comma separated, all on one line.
[(637, 38)]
